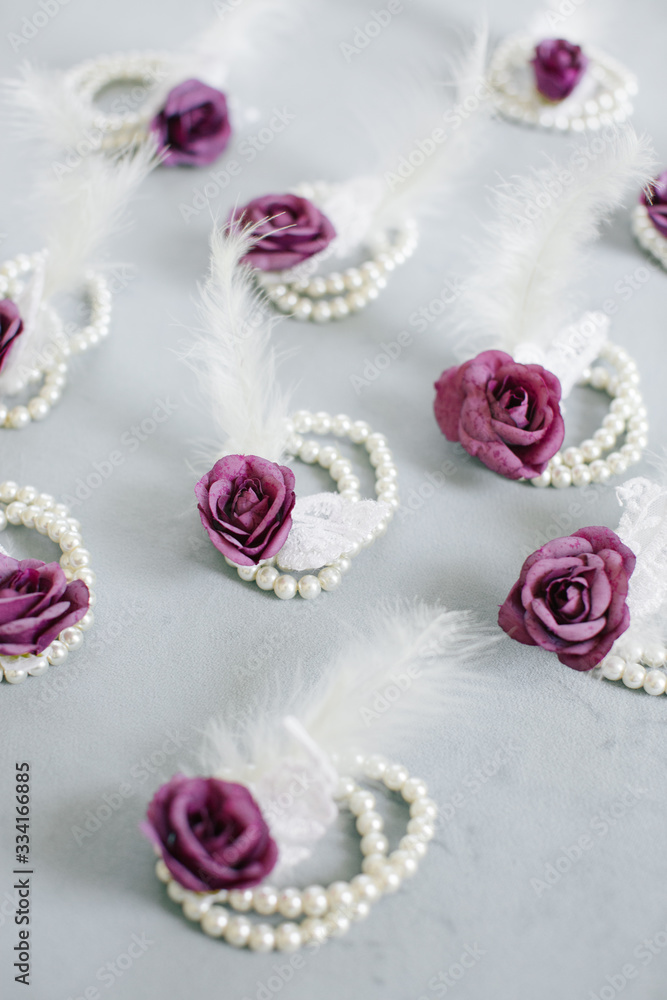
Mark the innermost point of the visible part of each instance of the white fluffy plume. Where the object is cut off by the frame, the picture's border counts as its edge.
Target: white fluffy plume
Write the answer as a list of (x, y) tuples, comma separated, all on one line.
[(450, 158), (233, 357), (534, 248), (40, 106), (373, 698), (87, 205)]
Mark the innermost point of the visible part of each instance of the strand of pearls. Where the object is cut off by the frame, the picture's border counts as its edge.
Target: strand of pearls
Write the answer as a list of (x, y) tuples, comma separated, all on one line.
[(334, 296), (627, 415), (89, 78), (284, 585), (23, 505), (50, 367), (326, 912), (637, 665), (648, 237), (519, 101)]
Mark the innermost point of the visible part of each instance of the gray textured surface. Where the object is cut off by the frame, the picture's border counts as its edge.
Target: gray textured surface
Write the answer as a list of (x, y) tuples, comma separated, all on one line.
[(174, 628)]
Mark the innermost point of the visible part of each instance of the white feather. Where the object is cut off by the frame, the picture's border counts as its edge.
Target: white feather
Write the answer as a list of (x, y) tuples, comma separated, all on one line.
[(234, 359), (40, 106), (534, 248), (417, 648), (86, 206)]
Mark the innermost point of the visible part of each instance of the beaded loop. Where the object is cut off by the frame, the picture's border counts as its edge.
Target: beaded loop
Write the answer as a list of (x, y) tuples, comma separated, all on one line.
[(25, 506), (648, 237), (516, 97), (89, 78), (637, 664), (284, 585), (627, 415), (52, 362), (324, 912), (324, 297)]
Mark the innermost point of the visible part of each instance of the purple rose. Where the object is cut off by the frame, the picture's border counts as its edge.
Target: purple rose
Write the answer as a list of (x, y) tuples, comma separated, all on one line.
[(288, 230), (571, 597), (193, 125), (211, 834), (503, 413), (245, 504), (656, 203), (36, 604), (558, 66), (11, 327)]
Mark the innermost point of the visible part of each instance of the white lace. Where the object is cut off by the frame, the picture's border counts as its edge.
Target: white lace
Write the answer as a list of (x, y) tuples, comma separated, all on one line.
[(643, 528), (325, 526)]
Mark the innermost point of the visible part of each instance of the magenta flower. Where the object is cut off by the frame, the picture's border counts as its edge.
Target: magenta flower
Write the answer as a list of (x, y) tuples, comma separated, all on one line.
[(193, 126), (11, 327), (570, 597), (288, 230), (245, 504), (558, 66), (211, 834), (506, 414), (36, 604), (656, 203)]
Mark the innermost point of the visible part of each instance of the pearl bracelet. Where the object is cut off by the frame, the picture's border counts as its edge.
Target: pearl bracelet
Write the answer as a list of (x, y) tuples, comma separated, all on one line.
[(88, 79), (284, 585), (627, 415), (648, 237), (51, 364), (519, 100), (637, 665), (326, 912), (25, 506), (335, 295)]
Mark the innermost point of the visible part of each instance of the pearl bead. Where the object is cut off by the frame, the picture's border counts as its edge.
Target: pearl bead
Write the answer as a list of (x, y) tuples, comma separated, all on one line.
[(395, 777), (261, 938), (388, 879), (247, 573), (572, 456), (404, 862), (71, 637), (8, 491), (617, 463), (56, 653), (79, 557), (241, 899), (162, 871), (414, 844), (335, 284), (341, 467), (321, 312), (266, 577), (327, 456), (14, 511), (237, 931), (413, 789), (600, 471), (359, 910), (15, 675), (348, 483), (590, 449), (287, 303), (317, 287), (424, 807), (342, 564), (288, 937), (361, 801), (176, 892), (340, 895), (561, 477), (38, 408), (543, 480), (634, 675), (655, 655), (285, 587), (359, 431), (309, 452), (421, 827), (336, 924), (313, 929), (289, 903), (87, 575), (345, 788), (309, 587), (19, 417), (375, 766), (339, 307), (329, 578), (581, 475), (303, 309), (374, 843), (373, 864), (630, 650), (303, 421), (38, 666), (365, 887), (369, 822), (604, 438), (340, 425), (195, 906), (655, 682), (265, 899), (315, 901)]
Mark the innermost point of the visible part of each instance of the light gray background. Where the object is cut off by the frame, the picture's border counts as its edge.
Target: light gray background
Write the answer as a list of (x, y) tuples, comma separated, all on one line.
[(175, 629)]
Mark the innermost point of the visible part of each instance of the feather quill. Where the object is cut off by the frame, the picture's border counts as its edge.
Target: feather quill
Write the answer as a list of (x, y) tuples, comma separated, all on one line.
[(534, 249), (85, 206), (234, 359)]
